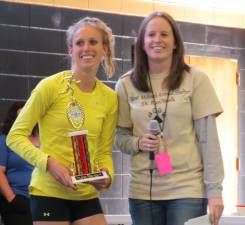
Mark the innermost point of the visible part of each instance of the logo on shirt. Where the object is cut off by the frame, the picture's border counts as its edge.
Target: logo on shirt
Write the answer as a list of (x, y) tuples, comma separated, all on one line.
[(46, 214)]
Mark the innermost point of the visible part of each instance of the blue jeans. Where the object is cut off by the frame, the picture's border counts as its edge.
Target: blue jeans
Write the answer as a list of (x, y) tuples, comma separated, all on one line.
[(166, 212)]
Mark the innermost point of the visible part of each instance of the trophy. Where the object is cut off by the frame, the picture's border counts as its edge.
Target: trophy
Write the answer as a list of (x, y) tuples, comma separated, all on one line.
[(82, 170)]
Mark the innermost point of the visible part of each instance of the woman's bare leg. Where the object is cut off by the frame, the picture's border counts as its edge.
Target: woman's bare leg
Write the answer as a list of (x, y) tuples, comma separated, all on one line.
[(51, 223), (98, 219)]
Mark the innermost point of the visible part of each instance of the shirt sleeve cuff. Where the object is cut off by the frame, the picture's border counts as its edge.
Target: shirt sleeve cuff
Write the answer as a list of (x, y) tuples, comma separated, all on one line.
[(42, 162), (214, 193), (135, 144)]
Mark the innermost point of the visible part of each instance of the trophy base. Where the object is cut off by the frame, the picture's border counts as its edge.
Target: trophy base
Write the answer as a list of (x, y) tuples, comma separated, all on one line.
[(89, 177)]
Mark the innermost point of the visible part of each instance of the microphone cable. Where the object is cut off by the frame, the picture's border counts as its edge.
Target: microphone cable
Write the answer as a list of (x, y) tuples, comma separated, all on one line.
[(151, 210)]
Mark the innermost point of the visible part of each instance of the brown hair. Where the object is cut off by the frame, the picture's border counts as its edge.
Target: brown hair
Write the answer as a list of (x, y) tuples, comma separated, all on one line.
[(140, 73), (108, 40), (11, 116)]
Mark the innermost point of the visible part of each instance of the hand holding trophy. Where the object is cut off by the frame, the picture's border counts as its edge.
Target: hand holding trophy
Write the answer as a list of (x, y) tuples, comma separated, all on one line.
[(82, 169)]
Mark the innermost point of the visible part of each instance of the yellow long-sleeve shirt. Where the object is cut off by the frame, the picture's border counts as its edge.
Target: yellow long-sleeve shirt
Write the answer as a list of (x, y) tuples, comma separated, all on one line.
[(47, 105)]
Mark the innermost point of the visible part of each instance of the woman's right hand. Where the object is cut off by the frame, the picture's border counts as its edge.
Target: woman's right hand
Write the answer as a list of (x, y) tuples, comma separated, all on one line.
[(11, 198), (60, 173), (149, 142), (5, 189), (19, 204)]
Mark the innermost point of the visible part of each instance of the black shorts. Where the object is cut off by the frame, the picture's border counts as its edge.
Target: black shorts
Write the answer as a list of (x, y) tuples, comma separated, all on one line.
[(56, 209)]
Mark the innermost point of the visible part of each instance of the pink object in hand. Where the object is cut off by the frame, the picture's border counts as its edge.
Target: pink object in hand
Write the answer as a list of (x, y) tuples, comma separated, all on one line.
[(163, 163)]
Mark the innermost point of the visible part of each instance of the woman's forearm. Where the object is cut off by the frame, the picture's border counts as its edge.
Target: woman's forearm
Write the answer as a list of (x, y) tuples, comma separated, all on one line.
[(211, 155), (125, 141), (5, 188)]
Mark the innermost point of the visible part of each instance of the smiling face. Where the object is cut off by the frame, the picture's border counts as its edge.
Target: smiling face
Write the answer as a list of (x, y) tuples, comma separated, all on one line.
[(159, 42), (87, 49)]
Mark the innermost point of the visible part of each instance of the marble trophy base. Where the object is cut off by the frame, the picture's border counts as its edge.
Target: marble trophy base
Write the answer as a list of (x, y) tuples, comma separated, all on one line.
[(89, 177)]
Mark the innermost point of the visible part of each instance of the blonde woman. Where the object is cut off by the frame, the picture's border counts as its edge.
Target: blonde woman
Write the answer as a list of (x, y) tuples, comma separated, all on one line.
[(65, 102)]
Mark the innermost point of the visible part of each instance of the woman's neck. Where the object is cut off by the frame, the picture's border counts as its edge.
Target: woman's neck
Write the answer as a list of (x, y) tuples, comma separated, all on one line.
[(159, 67), (85, 81)]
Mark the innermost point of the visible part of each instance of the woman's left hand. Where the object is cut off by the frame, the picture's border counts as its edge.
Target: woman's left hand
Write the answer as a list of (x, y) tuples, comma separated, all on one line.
[(103, 183), (60, 173), (215, 207)]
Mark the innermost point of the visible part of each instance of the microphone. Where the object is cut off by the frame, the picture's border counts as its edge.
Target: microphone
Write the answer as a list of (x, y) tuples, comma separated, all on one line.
[(153, 128)]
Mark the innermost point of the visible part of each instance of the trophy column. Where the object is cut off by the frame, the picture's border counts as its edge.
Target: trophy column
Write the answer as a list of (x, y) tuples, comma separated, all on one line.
[(82, 170)]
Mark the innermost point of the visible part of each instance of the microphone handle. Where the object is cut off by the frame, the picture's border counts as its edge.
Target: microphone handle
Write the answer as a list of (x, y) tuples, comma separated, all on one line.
[(152, 156)]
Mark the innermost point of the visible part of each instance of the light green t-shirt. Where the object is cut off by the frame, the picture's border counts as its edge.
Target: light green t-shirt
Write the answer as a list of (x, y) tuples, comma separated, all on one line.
[(194, 99), (48, 106)]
